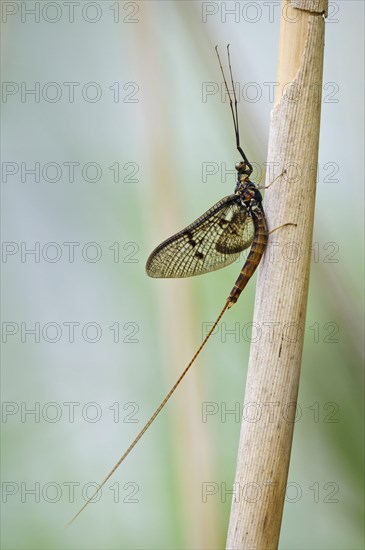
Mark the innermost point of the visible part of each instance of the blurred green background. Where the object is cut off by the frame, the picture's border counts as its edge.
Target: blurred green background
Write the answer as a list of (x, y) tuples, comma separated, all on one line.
[(109, 341)]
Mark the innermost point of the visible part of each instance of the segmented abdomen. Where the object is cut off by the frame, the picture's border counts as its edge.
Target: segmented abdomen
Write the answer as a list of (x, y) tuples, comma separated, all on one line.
[(253, 259)]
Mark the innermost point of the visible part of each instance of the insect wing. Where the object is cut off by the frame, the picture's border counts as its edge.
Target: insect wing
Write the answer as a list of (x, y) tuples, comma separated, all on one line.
[(238, 234), (213, 241)]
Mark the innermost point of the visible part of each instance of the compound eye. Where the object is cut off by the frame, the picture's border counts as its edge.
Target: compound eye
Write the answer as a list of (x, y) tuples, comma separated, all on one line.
[(240, 166)]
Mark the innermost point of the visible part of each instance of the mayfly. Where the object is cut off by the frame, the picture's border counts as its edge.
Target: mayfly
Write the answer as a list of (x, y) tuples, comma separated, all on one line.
[(213, 241)]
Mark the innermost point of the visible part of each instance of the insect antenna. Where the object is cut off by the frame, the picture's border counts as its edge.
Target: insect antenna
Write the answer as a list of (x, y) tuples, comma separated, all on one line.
[(157, 411), (233, 111)]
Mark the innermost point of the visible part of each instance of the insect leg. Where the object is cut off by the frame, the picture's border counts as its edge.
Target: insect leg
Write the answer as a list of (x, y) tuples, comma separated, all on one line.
[(259, 186), (233, 111), (280, 226)]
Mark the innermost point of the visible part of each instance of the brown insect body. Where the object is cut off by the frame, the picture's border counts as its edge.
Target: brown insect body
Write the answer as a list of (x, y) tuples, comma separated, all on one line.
[(211, 242), (251, 197)]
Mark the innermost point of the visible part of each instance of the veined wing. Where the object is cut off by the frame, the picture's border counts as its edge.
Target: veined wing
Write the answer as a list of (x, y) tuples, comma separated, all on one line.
[(211, 242)]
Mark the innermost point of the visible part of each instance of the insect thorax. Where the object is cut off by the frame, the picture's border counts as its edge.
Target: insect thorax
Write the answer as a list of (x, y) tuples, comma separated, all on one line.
[(247, 191)]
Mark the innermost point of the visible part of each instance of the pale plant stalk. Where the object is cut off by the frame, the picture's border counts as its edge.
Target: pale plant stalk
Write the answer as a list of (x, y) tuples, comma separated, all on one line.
[(282, 286)]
